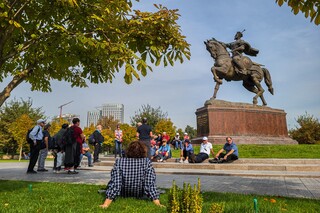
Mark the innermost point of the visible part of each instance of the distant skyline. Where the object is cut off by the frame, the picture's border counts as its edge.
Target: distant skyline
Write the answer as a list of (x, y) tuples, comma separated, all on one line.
[(289, 47)]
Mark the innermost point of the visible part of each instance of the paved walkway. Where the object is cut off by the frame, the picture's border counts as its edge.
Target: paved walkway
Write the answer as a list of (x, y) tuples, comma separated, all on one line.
[(278, 186)]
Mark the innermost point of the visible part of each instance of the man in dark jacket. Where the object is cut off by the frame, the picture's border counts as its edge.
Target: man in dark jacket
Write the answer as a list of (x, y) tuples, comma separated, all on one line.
[(59, 152), (98, 140), (144, 133)]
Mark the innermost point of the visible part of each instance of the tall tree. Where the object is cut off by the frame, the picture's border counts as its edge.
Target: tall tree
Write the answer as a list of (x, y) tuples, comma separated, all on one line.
[(84, 41), (153, 115), (310, 8), (18, 130), (9, 113)]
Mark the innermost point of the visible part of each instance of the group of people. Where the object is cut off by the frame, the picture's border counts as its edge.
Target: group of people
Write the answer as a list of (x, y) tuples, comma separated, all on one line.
[(134, 175), (68, 150)]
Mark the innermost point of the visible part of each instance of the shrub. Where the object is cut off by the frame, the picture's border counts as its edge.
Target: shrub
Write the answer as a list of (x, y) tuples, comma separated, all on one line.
[(309, 130), (185, 200), (217, 208)]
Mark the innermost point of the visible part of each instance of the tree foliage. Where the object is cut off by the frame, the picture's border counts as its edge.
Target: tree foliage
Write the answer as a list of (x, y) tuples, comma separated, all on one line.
[(310, 8), (9, 113), (84, 41), (308, 131), (18, 130), (192, 132), (165, 125), (108, 122), (153, 115)]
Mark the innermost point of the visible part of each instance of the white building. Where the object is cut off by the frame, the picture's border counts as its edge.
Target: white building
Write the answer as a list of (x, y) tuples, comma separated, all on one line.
[(106, 110)]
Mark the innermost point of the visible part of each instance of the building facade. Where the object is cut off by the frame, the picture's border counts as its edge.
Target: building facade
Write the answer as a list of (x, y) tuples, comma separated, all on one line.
[(106, 110)]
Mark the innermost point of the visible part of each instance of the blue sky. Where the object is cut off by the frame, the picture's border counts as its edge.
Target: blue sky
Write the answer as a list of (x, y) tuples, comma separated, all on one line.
[(289, 47)]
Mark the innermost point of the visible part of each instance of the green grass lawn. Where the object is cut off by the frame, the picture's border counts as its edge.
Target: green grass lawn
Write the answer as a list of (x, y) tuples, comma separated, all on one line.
[(60, 197), (269, 151)]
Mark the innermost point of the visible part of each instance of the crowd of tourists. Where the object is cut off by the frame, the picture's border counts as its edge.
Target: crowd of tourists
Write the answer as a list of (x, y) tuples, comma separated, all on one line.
[(68, 147)]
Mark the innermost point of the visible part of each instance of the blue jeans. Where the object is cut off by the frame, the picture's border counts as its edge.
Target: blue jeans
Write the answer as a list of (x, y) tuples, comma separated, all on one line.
[(88, 155), (118, 148), (178, 145)]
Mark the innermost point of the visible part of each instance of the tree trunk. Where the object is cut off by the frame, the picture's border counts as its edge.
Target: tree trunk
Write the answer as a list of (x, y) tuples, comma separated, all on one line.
[(20, 152), (17, 79)]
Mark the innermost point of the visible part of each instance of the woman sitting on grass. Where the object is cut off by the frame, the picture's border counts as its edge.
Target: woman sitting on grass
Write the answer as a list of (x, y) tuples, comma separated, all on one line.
[(132, 176)]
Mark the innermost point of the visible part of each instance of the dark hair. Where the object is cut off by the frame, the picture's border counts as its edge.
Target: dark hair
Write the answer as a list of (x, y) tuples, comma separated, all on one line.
[(136, 149), (228, 137), (75, 120), (144, 120), (46, 126), (64, 126)]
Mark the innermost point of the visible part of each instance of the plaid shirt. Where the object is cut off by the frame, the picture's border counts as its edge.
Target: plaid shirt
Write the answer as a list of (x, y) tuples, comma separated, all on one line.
[(132, 177)]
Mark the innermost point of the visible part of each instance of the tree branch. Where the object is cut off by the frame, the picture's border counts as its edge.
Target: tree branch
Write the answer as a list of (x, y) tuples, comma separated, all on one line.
[(17, 79)]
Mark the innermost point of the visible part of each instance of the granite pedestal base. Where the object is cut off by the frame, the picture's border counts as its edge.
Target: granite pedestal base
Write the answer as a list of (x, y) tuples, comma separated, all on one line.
[(245, 123)]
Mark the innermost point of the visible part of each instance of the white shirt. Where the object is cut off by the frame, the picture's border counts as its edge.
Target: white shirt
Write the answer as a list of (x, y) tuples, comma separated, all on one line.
[(205, 148)]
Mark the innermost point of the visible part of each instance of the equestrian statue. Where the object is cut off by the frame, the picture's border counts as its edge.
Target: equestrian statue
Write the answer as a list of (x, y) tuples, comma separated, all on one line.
[(238, 67)]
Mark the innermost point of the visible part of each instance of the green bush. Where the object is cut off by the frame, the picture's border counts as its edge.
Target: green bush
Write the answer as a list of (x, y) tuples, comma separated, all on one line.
[(309, 130)]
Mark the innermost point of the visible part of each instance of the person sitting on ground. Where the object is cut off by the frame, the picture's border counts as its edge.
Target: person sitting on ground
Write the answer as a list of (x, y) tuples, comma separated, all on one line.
[(163, 153), (205, 149), (186, 152), (177, 143), (153, 149), (85, 152), (231, 154), (133, 176)]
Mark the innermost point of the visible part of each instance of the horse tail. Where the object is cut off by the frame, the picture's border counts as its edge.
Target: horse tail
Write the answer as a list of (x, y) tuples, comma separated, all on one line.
[(267, 79)]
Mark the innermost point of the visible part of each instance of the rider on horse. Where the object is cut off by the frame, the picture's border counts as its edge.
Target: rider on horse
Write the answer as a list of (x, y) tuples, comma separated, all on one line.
[(239, 46)]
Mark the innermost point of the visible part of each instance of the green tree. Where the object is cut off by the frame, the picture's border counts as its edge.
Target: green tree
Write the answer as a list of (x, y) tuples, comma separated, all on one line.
[(18, 130), (108, 122), (129, 134), (153, 115), (192, 132), (310, 8), (56, 125), (166, 125), (84, 41), (9, 113), (308, 131)]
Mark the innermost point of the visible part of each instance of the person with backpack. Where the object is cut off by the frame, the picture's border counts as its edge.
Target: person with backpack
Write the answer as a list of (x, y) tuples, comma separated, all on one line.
[(72, 139), (98, 139), (44, 148), (59, 156), (35, 138)]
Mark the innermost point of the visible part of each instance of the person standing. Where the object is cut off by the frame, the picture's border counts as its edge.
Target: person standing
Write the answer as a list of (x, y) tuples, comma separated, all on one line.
[(44, 149), (118, 141), (79, 136), (144, 133), (36, 136), (98, 140), (58, 160)]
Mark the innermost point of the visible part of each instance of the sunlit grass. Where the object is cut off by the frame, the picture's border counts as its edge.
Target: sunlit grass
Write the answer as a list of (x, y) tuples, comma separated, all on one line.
[(15, 196)]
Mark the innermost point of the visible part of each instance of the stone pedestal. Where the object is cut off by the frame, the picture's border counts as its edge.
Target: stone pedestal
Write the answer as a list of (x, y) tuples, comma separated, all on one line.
[(245, 123)]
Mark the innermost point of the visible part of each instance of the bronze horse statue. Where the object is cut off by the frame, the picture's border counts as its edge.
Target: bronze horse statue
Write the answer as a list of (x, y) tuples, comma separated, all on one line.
[(224, 68)]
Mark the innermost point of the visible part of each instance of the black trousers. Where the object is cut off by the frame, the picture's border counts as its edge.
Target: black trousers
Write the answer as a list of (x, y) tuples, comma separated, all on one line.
[(187, 154), (201, 157), (34, 154), (148, 145), (97, 149), (229, 158)]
